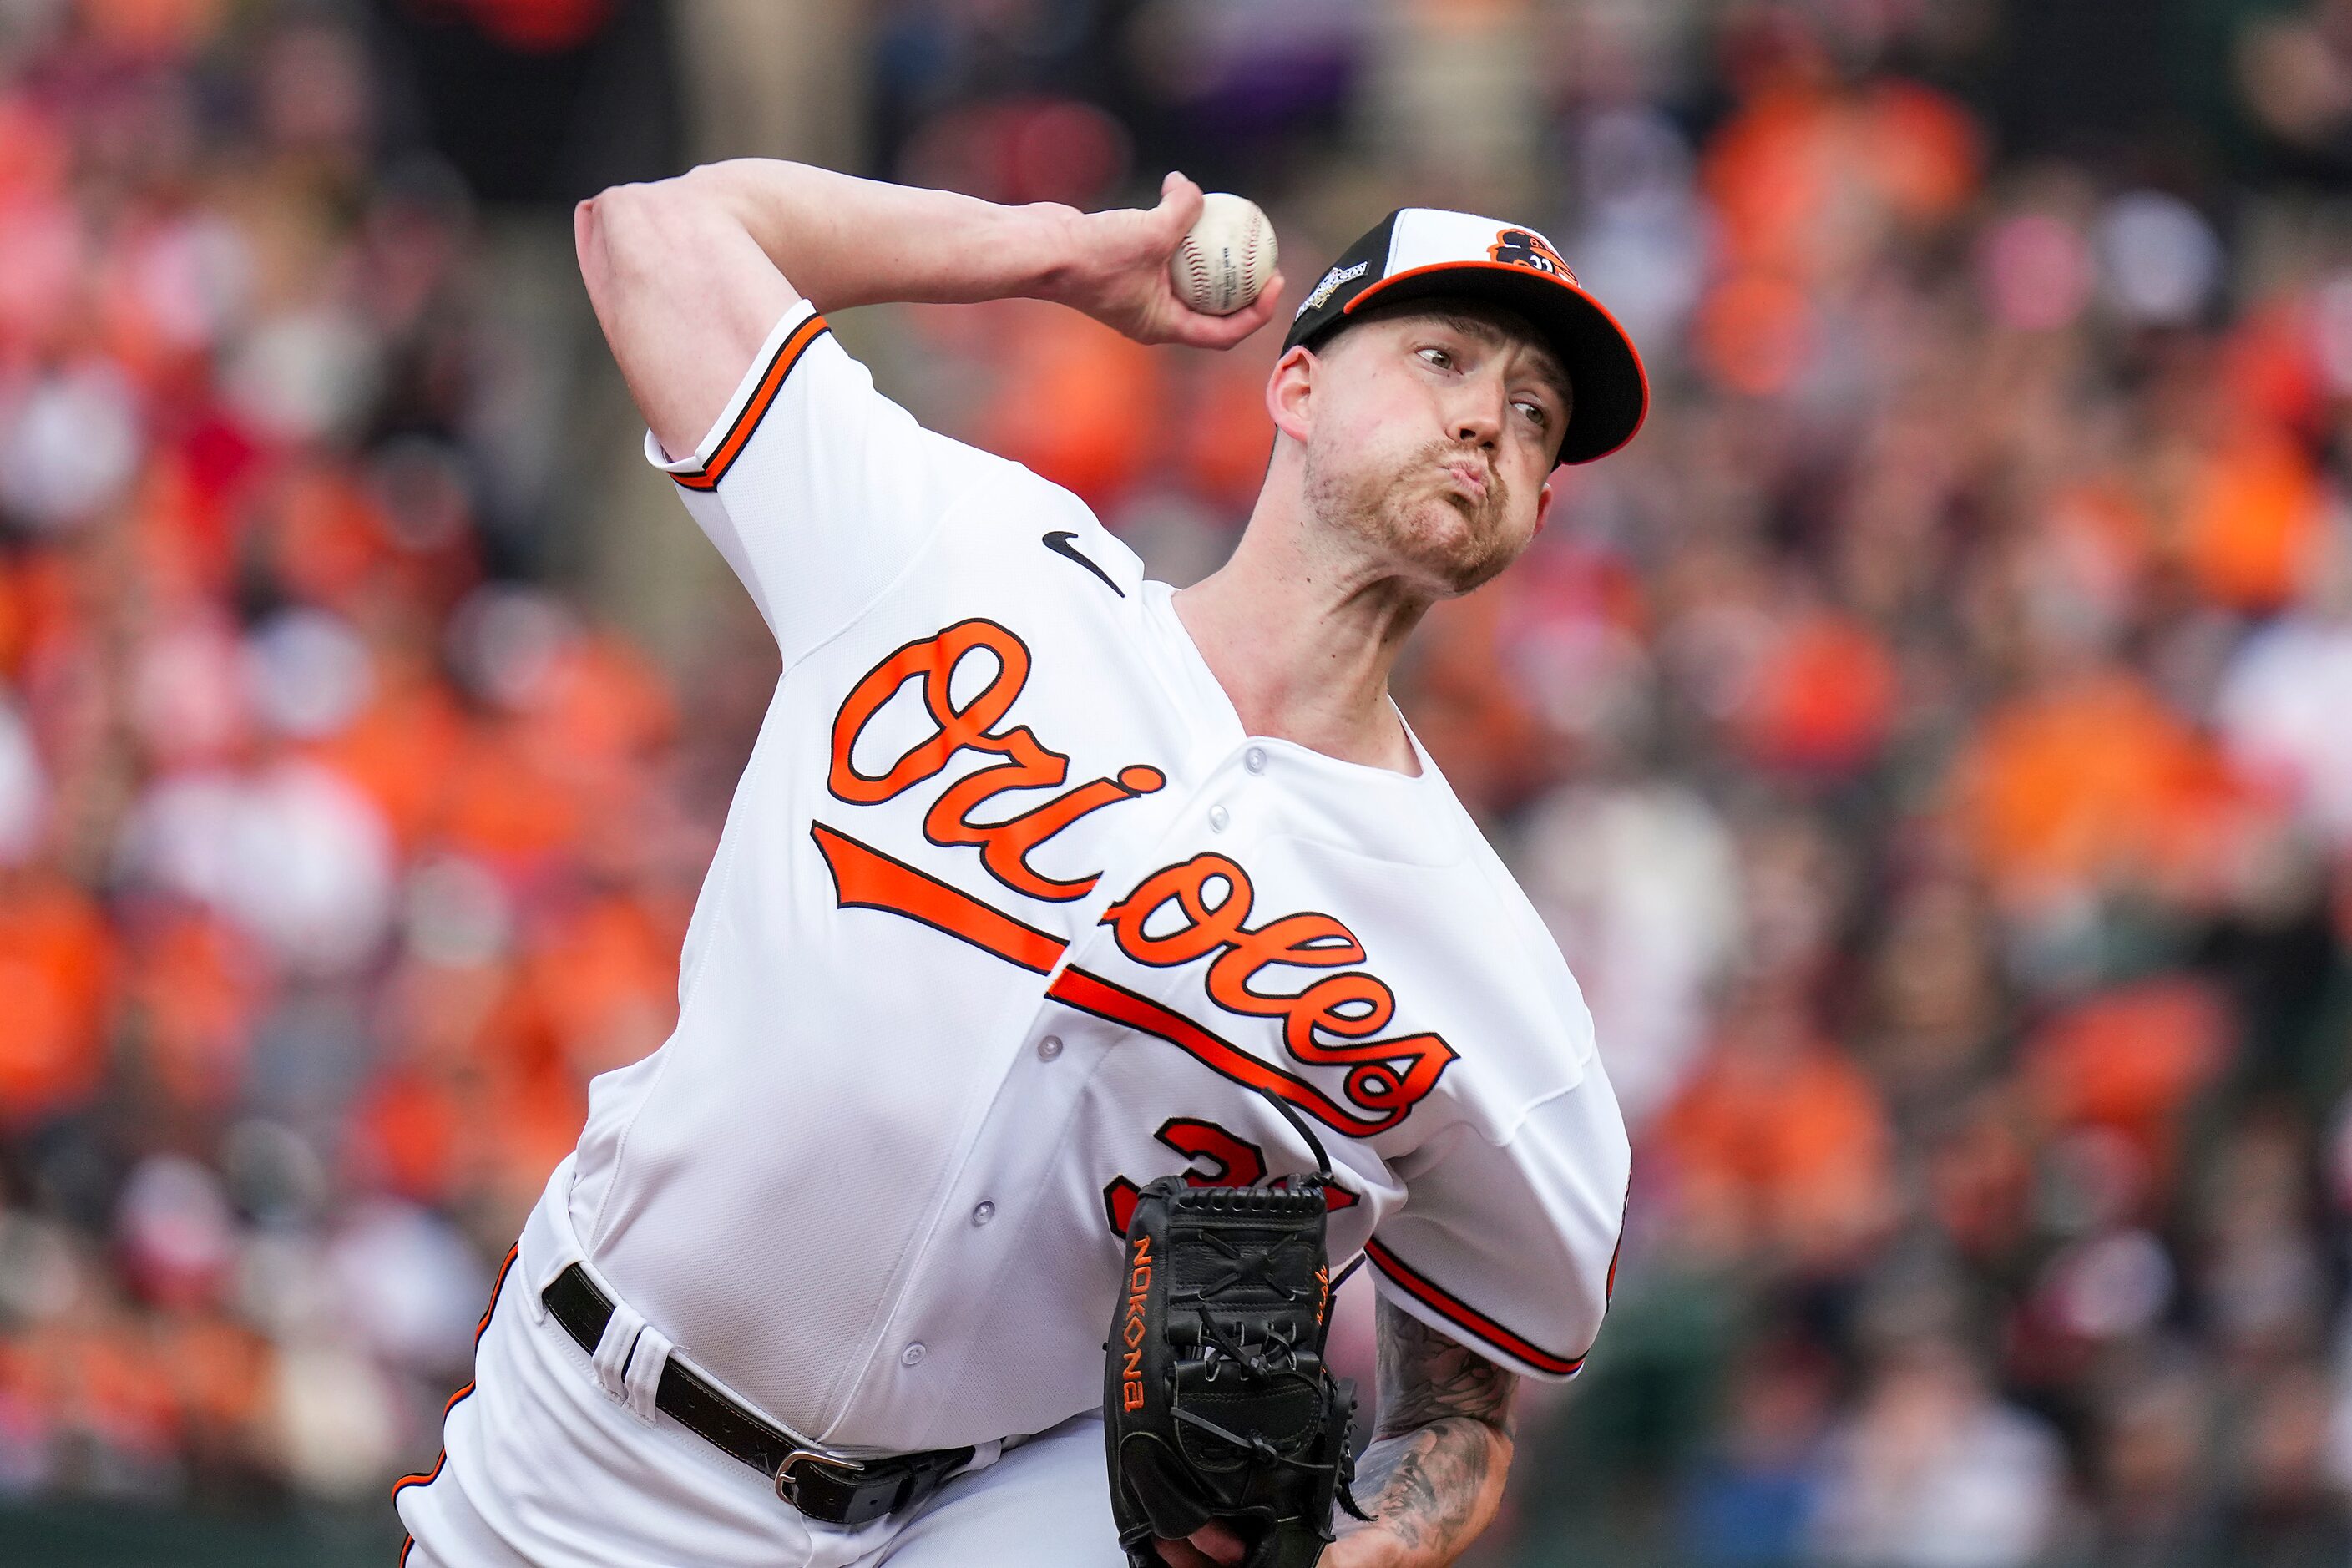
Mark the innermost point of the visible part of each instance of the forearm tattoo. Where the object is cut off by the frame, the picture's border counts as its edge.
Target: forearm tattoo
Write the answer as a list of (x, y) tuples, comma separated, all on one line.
[(1434, 1472), (1425, 1377)]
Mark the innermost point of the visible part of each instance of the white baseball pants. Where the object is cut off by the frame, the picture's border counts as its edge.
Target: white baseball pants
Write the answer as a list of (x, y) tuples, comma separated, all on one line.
[(542, 1468)]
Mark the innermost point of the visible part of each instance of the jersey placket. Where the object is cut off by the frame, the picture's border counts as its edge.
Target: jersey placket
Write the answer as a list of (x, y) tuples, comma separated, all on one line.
[(985, 1225)]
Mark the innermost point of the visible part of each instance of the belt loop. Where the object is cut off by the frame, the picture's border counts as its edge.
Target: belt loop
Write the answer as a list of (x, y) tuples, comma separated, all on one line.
[(548, 1244), (643, 1382), (549, 1270), (612, 1358), (540, 1290)]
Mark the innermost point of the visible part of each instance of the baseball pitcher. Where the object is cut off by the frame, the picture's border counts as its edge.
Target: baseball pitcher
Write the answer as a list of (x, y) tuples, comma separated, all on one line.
[(1059, 917)]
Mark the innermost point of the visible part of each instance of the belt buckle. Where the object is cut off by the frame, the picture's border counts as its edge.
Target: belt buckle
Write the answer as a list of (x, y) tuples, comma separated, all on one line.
[(784, 1477)]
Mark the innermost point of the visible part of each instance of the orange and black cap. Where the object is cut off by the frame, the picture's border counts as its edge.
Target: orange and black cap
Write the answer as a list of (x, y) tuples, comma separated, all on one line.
[(1426, 253)]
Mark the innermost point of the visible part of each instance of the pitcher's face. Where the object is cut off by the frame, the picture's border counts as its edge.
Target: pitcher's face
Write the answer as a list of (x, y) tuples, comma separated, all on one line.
[(1434, 428)]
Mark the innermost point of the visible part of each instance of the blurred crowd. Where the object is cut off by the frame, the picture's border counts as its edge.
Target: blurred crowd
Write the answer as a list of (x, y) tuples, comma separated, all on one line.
[(1931, 741), (335, 853)]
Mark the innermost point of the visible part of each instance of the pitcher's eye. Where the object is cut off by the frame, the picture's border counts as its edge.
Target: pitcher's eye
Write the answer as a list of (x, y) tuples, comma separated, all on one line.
[(1438, 357), (1536, 412)]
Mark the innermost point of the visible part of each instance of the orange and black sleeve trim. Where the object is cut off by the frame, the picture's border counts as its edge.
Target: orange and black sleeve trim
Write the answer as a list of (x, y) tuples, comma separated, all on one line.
[(1463, 1316), (426, 1477), (755, 407)]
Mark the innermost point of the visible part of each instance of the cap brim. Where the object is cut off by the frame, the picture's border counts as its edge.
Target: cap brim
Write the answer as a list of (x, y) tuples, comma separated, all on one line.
[(1610, 389)]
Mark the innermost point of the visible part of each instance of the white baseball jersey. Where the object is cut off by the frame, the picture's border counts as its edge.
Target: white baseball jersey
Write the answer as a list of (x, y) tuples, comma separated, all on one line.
[(1012, 916)]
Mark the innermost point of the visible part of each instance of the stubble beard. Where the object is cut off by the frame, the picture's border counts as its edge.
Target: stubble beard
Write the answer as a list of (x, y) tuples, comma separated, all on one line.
[(1407, 511)]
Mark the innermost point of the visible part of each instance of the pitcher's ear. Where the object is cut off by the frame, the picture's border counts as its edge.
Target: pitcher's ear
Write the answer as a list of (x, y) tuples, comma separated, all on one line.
[(1290, 392)]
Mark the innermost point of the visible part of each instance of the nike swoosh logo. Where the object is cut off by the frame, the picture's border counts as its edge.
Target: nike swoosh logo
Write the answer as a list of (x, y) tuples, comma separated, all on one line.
[(1059, 541)]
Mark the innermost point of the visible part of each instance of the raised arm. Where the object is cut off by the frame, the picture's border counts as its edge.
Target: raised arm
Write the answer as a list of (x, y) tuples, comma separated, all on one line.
[(687, 275)]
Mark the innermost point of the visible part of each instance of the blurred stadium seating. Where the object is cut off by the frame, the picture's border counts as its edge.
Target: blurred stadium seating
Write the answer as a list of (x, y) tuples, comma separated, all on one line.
[(1931, 741)]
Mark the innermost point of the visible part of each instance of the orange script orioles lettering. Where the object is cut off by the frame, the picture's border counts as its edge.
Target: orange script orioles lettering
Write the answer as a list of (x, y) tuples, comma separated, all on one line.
[(1003, 845), (1132, 1331), (1386, 1078)]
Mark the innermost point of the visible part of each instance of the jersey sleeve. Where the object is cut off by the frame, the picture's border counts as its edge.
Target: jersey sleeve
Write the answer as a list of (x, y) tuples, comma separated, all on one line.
[(1510, 1248), (817, 489)]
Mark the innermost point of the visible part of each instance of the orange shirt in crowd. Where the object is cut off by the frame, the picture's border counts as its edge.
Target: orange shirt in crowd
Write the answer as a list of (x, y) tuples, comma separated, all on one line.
[(57, 964), (1782, 1143), (2129, 1060), (1821, 699), (191, 994), (2091, 780), (2252, 520)]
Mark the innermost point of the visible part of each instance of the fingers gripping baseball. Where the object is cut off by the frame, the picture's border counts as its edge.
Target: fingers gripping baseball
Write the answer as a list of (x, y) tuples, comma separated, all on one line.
[(1120, 276), (1179, 208)]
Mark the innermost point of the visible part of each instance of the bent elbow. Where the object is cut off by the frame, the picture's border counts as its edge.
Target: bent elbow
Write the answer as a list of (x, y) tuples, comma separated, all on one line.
[(598, 225), (625, 226), (621, 230), (587, 232)]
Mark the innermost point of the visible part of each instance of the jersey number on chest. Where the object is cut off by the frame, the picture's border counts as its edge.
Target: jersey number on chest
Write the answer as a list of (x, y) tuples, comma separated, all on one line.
[(1220, 1158)]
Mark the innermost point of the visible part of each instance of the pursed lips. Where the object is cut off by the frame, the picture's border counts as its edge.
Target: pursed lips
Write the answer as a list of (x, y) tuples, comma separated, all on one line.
[(1470, 476)]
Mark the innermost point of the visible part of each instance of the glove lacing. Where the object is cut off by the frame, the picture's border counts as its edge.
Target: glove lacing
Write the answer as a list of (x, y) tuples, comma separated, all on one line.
[(1279, 1355)]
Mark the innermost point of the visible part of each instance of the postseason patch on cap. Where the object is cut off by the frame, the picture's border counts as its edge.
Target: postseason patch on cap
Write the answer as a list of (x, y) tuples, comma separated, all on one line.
[(1331, 280)]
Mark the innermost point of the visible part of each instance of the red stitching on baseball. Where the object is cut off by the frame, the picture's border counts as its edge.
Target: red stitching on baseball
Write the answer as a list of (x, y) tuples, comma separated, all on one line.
[(1198, 266)]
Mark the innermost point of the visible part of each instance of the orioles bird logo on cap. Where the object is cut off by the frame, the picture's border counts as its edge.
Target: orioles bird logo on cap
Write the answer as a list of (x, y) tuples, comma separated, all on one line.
[(1525, 248)]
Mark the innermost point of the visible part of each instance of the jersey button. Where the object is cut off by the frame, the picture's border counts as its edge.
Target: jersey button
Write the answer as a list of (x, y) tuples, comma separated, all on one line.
[(912, 1355), (1049, 1047), (983, 1212), (1218, 817), (1254, 758)]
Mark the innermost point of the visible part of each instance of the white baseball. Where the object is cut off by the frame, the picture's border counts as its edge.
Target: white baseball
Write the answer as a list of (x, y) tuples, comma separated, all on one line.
[(1226, 258)]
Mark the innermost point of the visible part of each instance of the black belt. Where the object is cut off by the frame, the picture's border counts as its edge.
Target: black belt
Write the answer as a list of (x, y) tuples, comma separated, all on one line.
[(821, 1486)]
